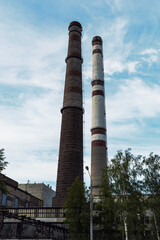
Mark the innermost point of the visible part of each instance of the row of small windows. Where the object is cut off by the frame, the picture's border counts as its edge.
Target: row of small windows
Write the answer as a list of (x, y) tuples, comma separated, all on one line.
[(6, 199), (39, 213), (42, 213)]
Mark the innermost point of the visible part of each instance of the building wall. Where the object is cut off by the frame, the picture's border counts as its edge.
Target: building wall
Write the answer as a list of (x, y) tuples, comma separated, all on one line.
[(15, 230), (17, 197), (41, 191)]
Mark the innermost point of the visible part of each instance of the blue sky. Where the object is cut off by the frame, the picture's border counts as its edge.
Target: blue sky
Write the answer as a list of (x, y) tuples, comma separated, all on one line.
[(33, 47)]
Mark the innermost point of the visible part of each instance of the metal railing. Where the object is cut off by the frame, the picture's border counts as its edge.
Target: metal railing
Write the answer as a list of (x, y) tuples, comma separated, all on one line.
[(25, 227), (37, 212)]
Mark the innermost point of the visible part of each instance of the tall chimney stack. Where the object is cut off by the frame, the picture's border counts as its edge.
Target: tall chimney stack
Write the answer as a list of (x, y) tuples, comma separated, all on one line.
[(70, 164), (98, 130)]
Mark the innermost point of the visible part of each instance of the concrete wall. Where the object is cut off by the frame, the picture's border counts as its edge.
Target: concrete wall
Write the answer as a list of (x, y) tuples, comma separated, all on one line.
[(17, 197), (14, 229), (41, 191)]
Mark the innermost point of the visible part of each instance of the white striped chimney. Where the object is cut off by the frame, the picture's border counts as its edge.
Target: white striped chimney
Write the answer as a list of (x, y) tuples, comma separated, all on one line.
[(98, 130)]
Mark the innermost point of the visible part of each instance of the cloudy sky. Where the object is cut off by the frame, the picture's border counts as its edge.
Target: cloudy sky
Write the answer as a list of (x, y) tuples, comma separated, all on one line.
[(33, 47)]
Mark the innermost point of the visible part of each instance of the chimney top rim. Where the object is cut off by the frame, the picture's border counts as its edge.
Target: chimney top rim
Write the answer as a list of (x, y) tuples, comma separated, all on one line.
[(97, 39), (75, 23)]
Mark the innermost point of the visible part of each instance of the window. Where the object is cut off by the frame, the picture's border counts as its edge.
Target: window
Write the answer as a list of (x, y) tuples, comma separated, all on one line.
[(16, 203), (4, 198), (147, 233), (146, 219)]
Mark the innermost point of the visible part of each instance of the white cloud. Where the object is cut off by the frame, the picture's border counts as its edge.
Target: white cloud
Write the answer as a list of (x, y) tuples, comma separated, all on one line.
[(121, 130), (32, 170), (114, 5), (87, 72), (150, 59), (132, 66), (112, 66), (30, 58), (136, 149), (31, 122), (34, 57), (150, 51), (150, 55), (135, 100), (30, 128), (117, 52)]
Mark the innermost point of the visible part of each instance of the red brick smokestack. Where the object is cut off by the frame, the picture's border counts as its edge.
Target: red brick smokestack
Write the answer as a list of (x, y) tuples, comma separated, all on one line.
[(70, 164)]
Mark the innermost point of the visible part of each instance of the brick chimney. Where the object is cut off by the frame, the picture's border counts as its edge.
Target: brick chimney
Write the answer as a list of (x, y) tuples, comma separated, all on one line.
[(70, 163), (98, 130)]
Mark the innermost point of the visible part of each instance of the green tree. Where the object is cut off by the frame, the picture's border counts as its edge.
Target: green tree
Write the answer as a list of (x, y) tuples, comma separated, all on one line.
[(124, 185), (3, 165), (151, 189), (104, 211), (77, 211)]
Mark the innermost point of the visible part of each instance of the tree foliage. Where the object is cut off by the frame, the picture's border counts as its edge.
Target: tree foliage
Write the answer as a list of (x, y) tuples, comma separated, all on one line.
[(104, 211), (3, 165), (122, 197), (77, 211), (129, 190), (151, 189)]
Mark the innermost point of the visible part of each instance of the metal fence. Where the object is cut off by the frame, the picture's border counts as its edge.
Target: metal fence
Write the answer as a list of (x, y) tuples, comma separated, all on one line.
[(37, 212), (23, 224)]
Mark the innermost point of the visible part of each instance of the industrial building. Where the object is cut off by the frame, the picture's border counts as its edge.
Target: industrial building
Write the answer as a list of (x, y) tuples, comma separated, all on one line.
[(39, 190), (17, 197)]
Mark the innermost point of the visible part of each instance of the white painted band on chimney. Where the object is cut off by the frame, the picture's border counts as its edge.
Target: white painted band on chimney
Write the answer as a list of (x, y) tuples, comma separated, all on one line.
[(97, 47), (97, 72), (98, 112), (98, 137), (97, 87)]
